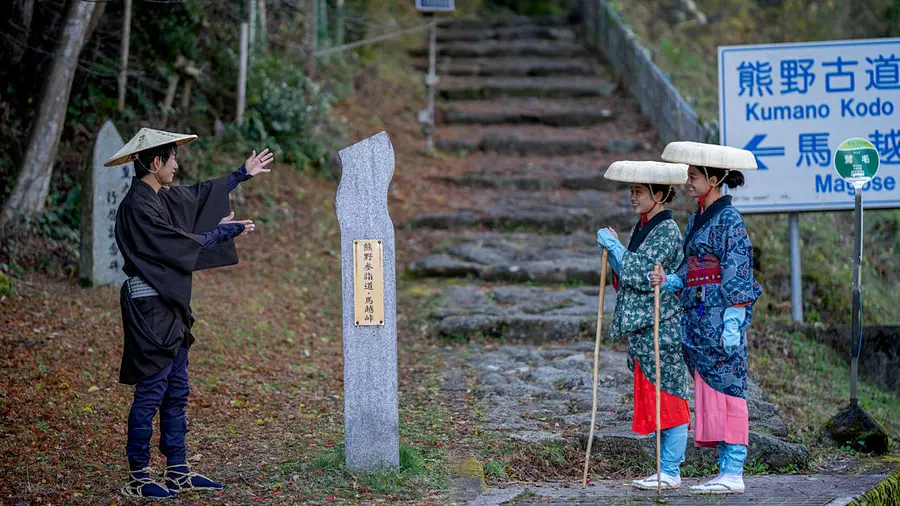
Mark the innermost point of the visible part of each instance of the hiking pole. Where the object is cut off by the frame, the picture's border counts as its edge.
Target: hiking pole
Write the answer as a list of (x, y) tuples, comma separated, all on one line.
[(587, 456), (658, 268)]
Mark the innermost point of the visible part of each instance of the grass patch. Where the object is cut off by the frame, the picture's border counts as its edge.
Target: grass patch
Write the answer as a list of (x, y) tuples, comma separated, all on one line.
[(756, 467), (494, 469), (7, 285), (326, 472), (700, 470), (807, 400)]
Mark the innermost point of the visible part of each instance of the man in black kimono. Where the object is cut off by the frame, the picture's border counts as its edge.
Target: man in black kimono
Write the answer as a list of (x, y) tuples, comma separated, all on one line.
[(165, 233)]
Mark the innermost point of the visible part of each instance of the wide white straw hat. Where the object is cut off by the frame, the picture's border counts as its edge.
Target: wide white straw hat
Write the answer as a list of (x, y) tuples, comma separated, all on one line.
[(709, 155), (628, 171), (147, 138)]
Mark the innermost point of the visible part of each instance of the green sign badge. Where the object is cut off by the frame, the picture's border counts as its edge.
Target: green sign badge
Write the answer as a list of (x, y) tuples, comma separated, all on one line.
[(856, 160)]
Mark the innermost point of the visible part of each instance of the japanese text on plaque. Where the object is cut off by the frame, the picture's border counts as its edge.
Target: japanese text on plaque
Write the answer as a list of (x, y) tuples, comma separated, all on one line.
[(368, 282)]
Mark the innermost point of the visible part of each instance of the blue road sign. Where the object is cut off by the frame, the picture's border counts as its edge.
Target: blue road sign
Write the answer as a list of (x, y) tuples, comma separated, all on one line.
[(754, 147), (792, 104)]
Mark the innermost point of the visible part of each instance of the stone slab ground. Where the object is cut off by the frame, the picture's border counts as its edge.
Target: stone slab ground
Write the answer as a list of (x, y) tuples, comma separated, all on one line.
[(790, 490)]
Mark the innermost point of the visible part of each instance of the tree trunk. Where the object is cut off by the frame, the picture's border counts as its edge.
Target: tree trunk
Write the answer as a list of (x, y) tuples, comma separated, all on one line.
[(27, 14), (33, 184)]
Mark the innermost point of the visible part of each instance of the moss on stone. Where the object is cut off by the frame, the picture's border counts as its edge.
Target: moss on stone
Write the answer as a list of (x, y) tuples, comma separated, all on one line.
[(886, 492), (469, 467), (854, 427)]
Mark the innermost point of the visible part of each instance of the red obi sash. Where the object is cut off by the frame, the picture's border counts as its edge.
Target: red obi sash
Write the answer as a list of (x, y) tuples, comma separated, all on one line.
[(704, 270)]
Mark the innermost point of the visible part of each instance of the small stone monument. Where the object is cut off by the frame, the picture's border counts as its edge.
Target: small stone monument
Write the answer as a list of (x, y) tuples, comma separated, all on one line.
[(105, 187), (371, 418)]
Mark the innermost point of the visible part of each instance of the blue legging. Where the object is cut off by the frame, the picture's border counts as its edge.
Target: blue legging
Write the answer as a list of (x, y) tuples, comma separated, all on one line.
[(671, 452), (731, 458), (167, 391)]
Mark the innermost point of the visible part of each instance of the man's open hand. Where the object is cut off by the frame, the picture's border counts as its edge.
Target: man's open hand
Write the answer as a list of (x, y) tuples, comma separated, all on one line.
[(249, 226), (257, 163)]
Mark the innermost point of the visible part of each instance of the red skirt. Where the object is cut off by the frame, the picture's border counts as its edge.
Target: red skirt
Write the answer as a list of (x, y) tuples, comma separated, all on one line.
[(673, 411)]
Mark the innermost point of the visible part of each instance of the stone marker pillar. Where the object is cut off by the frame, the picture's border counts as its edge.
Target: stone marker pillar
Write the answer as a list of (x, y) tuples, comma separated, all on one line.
[(104, 188), (371, 418)]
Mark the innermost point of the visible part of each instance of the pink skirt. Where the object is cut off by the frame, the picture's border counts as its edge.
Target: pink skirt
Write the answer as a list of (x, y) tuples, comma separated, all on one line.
[(718, 417)]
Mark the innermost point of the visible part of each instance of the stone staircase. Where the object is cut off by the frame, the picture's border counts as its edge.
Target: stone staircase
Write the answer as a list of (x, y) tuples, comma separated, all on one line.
[(535, 120)]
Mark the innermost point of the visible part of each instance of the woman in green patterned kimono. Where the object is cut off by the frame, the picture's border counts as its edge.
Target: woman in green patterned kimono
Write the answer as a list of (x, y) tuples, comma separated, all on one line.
[(655, 239)]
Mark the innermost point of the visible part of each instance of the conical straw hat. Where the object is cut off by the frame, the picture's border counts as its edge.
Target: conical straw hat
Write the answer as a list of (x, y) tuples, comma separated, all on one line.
[(628, 171), (147, 138), (709, 155)]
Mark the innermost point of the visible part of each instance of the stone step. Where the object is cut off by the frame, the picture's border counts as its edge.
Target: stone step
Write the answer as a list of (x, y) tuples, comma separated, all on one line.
[(537, 140), (529, 314), (520, 32), (515, 258), (462, 88), (505, 48), (509, 66), (581, 112), (540, 393), (516, 145), (564, 213), (503, 21), (577, 173), (765, 448)]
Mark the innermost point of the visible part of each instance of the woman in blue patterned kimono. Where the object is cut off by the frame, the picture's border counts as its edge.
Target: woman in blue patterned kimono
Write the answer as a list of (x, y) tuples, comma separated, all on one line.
[(654, 240), (717, 290)]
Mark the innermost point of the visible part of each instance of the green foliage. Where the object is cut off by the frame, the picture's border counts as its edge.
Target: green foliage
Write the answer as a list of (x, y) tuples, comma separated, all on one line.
[(494, 469), (551, 452), (411, 462), (812, 398), (826, 253), (700, 469), (756, 467), (287, 112), (48, 242), (7, 284)]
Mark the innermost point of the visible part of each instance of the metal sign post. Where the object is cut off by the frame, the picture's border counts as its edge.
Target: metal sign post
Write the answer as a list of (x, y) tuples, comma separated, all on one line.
[(856, 160), (426, 116)]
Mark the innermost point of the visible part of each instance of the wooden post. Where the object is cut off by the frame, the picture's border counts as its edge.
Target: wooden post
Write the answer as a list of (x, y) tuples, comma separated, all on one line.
[(339, 23), (431, 82), (123, 62), (263, 29), (310, 27), (242, 74), (170, 93), (251, 18)]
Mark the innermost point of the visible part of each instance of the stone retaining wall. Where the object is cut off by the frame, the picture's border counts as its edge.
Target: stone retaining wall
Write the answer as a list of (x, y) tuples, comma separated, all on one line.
[(660, 102)]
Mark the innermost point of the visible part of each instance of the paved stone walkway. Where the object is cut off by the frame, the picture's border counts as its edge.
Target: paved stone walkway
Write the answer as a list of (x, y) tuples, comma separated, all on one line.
[(774, 490), (534, 120), (535, 394)]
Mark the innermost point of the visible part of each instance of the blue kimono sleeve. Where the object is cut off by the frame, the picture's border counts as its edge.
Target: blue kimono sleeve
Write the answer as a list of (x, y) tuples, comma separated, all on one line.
[(738, 284)]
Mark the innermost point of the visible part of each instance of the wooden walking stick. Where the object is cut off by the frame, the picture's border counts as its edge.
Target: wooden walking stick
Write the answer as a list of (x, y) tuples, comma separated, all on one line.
[(587, 456), (658, 268)]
